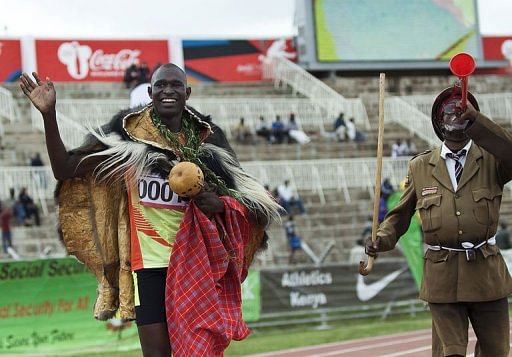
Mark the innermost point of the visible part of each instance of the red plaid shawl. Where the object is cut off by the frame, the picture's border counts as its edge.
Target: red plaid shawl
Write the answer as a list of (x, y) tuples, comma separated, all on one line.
[(203, 287)]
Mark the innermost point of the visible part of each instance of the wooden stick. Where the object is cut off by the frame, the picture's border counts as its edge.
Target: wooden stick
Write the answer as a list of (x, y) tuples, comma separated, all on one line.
[(366, 269)]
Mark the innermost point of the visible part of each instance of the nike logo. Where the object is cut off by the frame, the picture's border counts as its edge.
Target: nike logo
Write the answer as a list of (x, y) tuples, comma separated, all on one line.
[(366, 292)]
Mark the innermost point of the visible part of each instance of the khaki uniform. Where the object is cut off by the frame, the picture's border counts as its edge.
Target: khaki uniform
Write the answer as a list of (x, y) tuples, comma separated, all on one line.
[(448, 218)]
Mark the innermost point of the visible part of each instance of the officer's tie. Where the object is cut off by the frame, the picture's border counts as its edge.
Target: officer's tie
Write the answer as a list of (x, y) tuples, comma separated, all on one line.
[(458, 166)]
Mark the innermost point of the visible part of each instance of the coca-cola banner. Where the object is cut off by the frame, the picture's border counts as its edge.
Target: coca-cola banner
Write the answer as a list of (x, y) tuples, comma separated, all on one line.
[(96, 60), (10, 60), (231, 60), (331, 286)]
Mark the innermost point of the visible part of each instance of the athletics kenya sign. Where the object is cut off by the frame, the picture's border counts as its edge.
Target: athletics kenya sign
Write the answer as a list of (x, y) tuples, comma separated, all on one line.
[(96, 60), (333, 286)]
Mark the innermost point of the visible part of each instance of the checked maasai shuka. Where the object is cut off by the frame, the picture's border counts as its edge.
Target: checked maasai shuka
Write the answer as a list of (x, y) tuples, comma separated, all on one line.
[(203, 288)]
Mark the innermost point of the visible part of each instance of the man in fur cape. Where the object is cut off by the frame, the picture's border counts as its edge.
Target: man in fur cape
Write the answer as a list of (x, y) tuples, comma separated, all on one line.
[(118, 216)]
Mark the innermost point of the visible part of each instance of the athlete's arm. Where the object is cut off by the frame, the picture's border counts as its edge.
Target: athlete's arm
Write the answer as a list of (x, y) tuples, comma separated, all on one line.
[(43, 97)]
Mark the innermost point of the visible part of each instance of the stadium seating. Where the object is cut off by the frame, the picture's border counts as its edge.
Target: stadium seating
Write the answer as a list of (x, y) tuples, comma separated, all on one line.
[(335, 180)]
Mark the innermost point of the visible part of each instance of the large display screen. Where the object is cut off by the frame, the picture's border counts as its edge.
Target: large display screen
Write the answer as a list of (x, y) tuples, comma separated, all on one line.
[(394, 30)]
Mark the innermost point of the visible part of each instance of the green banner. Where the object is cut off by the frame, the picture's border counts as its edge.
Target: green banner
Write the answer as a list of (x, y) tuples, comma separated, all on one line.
[(411, 242), (46, 305), (251, 302)]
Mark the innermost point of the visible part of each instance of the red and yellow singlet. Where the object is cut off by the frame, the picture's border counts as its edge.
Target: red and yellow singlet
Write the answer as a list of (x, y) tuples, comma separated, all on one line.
[(155, 216)]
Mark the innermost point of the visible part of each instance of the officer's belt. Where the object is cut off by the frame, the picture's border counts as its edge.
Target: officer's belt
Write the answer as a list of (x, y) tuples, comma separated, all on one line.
[(465, 245)]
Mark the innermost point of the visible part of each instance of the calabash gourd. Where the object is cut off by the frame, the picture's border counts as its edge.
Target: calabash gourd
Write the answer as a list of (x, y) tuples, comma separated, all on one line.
[(186, 179)]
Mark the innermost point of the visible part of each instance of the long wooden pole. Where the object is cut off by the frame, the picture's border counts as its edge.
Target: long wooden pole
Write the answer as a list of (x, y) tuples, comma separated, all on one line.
[(366, 269)]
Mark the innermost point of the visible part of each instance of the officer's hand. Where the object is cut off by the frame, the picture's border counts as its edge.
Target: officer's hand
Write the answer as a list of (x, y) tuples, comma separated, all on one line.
[(209, 203), (469, 114), (371, 248)]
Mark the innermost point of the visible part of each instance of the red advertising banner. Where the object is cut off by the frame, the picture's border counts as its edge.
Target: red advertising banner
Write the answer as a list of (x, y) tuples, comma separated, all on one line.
[(10, 60), (231, 60), (498, 48), (96, 60)]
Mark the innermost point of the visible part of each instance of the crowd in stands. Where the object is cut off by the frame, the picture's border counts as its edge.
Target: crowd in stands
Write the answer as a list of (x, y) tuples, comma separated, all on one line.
[(346, 130), (17, 211), (277, 132), (25, 211)]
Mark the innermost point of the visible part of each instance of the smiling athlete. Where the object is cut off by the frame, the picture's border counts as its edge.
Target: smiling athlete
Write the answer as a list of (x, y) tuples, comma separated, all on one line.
[(118, 215)]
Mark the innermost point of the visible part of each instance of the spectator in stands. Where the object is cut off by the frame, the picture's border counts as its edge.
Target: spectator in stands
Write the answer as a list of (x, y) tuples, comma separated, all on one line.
[(17, 207), (294, 134), (243, 134), (503, 236), (39, 176), (263, 130), (143, 73), (278, 130), (5, 219), (367, 230), (386, 190), (288, 198), (131, 76), (29, 206), (294, 241), (411, 147), (340, 121), (399, 148), (36, 160), (352, 133)]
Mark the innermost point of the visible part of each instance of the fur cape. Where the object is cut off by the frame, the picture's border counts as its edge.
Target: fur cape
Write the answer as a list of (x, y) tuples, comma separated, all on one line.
[(93, 210)]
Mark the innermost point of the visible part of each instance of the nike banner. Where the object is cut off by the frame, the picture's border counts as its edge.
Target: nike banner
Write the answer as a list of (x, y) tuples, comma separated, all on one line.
[(332, 286)]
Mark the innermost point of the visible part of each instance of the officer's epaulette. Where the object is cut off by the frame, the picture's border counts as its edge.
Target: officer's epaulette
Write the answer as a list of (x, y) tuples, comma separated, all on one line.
[(421, 153)]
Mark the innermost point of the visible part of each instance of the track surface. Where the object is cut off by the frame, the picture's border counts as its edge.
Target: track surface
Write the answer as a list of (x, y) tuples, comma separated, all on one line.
[(411, 344)]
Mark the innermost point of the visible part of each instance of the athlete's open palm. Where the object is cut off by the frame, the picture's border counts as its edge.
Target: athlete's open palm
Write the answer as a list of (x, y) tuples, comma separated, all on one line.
[(41, 94)]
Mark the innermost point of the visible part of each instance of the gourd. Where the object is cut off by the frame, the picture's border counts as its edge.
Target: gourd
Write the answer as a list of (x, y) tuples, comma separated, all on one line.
[(186, 179)]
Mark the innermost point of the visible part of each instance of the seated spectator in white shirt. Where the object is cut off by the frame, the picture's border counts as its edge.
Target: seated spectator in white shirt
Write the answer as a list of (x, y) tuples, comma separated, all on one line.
[(399, 148), (288, 198), (294, 133)]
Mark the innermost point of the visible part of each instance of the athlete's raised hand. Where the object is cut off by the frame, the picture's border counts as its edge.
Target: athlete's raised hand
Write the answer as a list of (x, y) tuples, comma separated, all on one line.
[(41, 94)]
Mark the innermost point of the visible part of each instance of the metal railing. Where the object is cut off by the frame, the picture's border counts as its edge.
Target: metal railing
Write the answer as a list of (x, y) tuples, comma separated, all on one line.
[(412, 118), (225, 111), (283, 71), (327, 174), (93, 112), (7, 105), (7, 108), (313, 175), (71, 132)]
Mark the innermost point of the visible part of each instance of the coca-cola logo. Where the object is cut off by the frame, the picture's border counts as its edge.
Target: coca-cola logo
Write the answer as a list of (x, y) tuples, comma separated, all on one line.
[(81, 61)]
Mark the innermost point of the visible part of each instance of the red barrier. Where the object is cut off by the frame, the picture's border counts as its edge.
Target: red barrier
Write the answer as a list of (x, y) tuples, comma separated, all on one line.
[(96, 60)]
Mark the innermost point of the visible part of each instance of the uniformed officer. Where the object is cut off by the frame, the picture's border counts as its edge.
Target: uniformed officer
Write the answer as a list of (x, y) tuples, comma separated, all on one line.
[(457, 189)]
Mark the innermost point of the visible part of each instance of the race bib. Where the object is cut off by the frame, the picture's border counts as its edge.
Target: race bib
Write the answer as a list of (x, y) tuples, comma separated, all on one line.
[(155, 191)]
